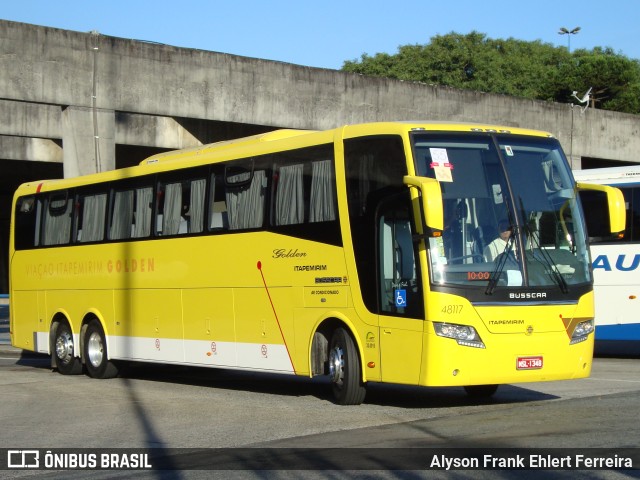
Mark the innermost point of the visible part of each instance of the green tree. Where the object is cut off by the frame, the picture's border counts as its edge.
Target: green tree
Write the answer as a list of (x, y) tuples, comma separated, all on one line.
[(532, 70), (614, 79)]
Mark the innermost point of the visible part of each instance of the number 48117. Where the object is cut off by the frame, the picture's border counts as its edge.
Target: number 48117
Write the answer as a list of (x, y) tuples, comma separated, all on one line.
[(451, 309)]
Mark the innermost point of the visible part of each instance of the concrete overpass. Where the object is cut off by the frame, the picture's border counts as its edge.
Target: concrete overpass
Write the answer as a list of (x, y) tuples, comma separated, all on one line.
[(73, 103)]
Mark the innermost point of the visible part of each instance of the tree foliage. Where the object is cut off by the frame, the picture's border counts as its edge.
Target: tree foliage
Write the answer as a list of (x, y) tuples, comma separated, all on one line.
[(532, 70)]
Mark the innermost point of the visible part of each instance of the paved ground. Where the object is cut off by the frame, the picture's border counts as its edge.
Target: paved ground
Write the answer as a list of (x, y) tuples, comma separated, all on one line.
[(220, 409), (5, 342)]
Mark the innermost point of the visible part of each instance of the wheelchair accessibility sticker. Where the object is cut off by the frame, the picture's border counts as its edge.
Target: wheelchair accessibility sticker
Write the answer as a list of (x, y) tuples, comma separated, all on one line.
[(401, 298)]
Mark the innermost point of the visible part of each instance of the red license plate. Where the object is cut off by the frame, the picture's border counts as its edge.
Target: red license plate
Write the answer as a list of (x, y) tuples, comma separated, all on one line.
[(529, 363)]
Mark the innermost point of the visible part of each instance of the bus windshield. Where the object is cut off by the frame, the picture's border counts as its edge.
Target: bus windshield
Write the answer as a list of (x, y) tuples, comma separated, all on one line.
[(511, 218)]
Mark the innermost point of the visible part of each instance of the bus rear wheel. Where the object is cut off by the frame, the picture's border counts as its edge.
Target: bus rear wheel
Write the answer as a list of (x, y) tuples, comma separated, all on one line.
[(95, 352), (344, 369), (64, 351)]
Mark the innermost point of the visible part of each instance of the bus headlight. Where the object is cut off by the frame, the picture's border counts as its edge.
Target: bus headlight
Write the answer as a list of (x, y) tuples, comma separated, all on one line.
[(463, 334), (581, 332)]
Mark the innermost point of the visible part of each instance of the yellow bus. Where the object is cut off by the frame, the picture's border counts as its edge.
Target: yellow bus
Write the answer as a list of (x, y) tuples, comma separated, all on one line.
[(361, 253)]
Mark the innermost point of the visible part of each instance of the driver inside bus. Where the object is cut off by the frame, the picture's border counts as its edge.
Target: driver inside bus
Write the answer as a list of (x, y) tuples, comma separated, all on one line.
[(497, 246)]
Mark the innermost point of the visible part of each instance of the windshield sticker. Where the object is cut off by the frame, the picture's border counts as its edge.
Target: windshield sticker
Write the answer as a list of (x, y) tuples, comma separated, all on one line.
[(440, 164), (508, 150)]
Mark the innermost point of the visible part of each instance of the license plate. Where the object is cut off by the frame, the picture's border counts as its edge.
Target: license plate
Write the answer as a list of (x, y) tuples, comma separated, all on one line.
[(529, 363)]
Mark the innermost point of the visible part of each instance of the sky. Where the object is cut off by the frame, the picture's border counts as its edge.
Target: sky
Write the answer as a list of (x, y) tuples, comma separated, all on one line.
[(327, 33)]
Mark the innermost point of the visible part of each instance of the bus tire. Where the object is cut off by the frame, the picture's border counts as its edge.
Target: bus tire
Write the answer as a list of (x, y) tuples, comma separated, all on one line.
[(95, 353), (344, 369), (64, 351), (481, 391)]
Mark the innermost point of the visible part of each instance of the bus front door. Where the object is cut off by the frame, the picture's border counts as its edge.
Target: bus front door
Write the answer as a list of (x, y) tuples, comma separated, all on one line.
[(400, 302)]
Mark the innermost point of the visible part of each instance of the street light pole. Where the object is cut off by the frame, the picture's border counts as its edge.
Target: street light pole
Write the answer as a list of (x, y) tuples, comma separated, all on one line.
[(568, 33)]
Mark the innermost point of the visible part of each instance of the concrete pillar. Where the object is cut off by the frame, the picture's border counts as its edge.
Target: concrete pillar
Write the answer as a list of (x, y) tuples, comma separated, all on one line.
[(88, 140), (575, 162)]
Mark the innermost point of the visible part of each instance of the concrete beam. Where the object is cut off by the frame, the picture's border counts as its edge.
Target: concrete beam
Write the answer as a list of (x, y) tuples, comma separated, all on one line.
[(50, 66), (35, 149), (37, 120), (153, 131), (28, 119)]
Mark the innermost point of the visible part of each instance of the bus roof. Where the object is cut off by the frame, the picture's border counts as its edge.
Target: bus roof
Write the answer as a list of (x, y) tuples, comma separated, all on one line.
[(249, 146), (227, 144), (611, 175), (347, 131)]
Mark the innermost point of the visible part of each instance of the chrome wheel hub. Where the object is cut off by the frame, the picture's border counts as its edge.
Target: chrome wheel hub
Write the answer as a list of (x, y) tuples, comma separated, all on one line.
[(336, 365), (64, 347), (95, 349)]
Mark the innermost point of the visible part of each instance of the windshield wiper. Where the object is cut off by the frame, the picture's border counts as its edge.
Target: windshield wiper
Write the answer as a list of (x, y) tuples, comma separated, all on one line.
[(548, 263), (502, 260)]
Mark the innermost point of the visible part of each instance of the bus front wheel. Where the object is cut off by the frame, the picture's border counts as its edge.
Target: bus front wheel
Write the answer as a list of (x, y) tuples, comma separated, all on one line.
[(344, 369), (64, 350), (95, 353)]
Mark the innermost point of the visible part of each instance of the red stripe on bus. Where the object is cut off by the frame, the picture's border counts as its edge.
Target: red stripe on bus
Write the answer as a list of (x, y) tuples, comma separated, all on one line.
[(259, 265)]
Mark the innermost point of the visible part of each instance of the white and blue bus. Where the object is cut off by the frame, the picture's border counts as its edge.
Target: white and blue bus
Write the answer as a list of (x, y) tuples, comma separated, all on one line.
[(616, 262)]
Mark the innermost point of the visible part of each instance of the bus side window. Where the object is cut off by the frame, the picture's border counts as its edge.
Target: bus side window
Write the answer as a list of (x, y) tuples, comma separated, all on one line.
[(169, 208), (245, 194), (91, 215), (194, 213), (218, 218), (121, 215), (131, 213), (142, 212), (596, 214), (322, 207), (57, 221), (181, 207), (27, 222), (304, 192), (289, 195)]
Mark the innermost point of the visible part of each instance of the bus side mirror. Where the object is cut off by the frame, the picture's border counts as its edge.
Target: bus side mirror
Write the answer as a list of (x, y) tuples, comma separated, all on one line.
[(431, 200), (596, 198)]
